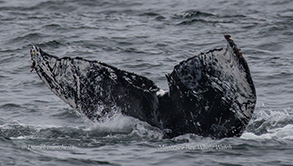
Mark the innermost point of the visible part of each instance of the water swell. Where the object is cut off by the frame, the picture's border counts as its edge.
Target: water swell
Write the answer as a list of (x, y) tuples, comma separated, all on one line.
[(113, 129), (270, 123), (24, 39), (191, 14)]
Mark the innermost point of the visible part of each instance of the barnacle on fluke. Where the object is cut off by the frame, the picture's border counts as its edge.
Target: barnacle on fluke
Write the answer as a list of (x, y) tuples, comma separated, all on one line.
[(211, 94)]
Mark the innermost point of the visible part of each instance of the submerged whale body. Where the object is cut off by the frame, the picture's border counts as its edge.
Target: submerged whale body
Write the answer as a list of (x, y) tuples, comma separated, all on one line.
[(211, 94)]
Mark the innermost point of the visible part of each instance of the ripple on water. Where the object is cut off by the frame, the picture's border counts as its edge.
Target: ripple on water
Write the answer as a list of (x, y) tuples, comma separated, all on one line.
[(26, 38)]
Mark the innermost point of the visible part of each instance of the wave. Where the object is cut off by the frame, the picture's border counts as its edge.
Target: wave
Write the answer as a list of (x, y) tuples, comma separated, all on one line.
[(192, 14), (266, 124), (114, 128), (270, 124), (51, 43), (26, 38), (283, 133)]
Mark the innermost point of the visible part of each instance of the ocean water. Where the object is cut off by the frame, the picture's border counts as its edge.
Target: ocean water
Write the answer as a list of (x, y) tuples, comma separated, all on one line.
[(148, 38)]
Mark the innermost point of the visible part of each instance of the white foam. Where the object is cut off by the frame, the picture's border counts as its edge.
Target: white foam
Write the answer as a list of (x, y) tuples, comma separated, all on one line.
[(123, 123), (118, 122), (143, 129), (285, 132), (277, 123)]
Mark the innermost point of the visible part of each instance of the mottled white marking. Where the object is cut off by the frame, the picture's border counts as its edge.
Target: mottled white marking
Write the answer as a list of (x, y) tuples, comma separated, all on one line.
[(160, 92)]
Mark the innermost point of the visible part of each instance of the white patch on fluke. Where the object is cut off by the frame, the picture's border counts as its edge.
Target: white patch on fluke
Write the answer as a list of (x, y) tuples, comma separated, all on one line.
[(160, 92)]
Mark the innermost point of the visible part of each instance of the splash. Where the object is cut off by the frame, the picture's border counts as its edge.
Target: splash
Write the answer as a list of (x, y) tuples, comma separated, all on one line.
[(270, 124)]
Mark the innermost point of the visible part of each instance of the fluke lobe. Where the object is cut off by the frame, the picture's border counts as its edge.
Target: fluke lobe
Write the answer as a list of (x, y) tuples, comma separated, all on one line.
[(211, 94)]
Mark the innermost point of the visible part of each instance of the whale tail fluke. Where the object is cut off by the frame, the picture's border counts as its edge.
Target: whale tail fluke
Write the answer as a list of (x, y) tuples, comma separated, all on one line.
[(96, 89), (217, 94), (211, 94)]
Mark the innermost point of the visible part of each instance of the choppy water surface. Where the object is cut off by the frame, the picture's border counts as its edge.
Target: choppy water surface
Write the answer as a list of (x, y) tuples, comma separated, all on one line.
[(148, 38)]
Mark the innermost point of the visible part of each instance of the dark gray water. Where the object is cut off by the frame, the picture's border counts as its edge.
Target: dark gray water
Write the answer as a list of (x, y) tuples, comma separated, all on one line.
[(148, 38)]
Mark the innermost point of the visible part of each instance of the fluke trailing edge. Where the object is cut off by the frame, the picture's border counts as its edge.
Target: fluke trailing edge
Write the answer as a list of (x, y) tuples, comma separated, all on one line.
[(211, 94)]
